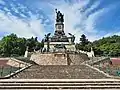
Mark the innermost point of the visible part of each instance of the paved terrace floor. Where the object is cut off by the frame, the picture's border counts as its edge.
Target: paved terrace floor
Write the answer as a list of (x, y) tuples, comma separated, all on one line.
[(59, 72)]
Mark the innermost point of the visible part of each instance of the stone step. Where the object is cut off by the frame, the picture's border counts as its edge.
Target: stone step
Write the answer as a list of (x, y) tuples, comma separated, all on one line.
[(59, 72), (60, 84), (61, 87), (59, 80)]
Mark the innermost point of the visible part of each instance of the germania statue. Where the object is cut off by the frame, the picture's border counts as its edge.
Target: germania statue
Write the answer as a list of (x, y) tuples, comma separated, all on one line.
[(59, 16)]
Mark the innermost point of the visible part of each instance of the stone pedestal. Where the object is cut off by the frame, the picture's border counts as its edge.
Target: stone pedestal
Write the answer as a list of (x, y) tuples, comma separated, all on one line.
[(26, 54), (58, 58), (50, 59)]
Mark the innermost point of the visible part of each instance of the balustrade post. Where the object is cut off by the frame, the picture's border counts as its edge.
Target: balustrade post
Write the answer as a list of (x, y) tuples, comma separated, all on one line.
[(19, 65), (2, 71), (10, 69)]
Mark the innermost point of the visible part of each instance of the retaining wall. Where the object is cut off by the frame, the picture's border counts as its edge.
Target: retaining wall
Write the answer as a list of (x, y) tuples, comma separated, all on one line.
[(58, 58)]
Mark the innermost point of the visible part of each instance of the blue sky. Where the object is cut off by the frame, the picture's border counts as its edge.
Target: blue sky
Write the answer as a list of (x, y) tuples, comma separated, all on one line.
[(27, 18)]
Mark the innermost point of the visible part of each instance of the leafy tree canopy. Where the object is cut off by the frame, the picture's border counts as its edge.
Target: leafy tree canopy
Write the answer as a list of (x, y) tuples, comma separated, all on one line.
[(107, 46), (13, 45)]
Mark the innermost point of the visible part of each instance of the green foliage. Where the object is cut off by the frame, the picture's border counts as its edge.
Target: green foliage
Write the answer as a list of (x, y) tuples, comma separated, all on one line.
[(83, 40), (7, 44), (84, 44), (7, 70), (11, 45), (109, 46)]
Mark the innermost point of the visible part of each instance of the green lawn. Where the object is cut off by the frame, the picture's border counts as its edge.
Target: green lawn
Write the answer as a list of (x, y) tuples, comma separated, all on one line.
[(7, 70)]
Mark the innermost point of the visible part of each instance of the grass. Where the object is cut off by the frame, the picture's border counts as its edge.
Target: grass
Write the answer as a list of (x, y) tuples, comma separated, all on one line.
[(7, 70)]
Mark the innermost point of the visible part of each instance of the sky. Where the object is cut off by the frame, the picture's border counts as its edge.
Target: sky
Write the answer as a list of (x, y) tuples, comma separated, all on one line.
[(27, 18)]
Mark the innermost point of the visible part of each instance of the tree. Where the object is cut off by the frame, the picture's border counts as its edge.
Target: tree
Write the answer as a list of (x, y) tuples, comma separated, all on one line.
[(109, 46), (8, 44), (12, 45), (84, 44), (31, 43), (83, 40)]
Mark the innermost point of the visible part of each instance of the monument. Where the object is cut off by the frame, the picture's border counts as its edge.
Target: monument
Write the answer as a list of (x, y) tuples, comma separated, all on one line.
[(59, 47), (59, 41)]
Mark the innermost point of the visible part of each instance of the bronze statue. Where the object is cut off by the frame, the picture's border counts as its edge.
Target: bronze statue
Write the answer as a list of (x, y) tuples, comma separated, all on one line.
[(47, 40), (47, 37), (59, 16), (72, 36)]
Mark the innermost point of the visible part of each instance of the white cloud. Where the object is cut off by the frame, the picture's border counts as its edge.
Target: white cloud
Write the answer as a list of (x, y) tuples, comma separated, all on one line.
[(22, 28), (108, 34), (94, 6), (6, 9), (112, 33), (93, 37), (72, 17), (2, 2), (76, 22), (90, 22)]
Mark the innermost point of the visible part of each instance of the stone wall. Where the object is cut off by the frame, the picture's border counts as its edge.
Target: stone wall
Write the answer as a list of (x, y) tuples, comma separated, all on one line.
[(49, 59), (12, 62), (77, 59), (16, 63), (58, 58)]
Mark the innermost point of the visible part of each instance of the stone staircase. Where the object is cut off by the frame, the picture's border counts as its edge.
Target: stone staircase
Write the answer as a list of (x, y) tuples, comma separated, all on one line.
[(59, 72), (70, 84)]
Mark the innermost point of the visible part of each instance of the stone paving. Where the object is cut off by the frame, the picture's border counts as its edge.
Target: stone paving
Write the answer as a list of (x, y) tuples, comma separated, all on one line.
[(60, 72)]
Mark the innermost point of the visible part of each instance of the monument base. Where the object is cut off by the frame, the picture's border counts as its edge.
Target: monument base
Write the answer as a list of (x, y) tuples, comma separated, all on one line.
[(50, 59), (58, 58)]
